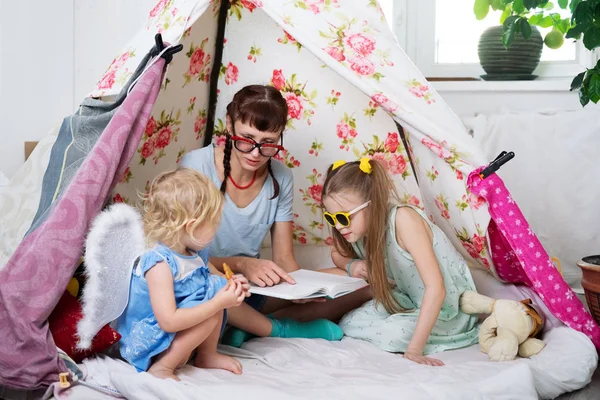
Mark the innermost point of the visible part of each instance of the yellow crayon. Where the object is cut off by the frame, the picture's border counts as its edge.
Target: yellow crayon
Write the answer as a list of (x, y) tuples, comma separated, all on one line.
[(228, 271)]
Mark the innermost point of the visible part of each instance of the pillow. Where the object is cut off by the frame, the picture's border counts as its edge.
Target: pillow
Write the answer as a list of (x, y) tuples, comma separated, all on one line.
[(63, 326)]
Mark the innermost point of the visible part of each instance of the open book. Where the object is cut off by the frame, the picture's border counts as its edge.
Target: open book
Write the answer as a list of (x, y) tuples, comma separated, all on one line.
[(311, 284)]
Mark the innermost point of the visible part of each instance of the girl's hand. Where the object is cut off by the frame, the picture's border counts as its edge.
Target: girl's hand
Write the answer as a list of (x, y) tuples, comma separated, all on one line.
[(241, 279), (232, 295), (265, 273), (419, 358), (358, 269)]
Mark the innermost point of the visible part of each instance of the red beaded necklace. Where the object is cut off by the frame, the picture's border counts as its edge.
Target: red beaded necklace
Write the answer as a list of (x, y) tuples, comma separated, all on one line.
[(243, 187)]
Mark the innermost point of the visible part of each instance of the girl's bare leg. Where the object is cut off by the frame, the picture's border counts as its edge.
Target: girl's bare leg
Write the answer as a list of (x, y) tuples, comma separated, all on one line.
[(208, 357), (182, 346), (332, 310), (248, 319)]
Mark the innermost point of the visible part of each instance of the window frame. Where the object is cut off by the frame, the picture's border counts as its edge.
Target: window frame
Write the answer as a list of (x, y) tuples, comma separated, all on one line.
[(413, 23)]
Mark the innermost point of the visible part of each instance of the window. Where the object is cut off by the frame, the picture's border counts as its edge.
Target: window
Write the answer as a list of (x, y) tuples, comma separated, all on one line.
[(441, 37)]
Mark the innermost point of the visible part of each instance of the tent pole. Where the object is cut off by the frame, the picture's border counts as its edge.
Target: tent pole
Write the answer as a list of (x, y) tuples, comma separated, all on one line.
[(214, 73), (405, 142)]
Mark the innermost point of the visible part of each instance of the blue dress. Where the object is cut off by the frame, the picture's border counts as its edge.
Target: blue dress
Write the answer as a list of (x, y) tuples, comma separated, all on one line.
[(141, 336)]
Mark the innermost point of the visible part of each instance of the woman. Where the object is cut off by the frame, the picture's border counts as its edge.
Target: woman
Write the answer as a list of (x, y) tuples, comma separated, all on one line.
[(258, 198)]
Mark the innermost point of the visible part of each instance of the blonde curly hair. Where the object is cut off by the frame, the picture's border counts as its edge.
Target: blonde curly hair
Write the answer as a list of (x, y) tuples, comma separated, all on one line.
[(175, 198)]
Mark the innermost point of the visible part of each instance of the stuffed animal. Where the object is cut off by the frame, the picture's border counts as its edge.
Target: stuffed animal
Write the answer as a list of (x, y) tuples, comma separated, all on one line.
[(510, 328)]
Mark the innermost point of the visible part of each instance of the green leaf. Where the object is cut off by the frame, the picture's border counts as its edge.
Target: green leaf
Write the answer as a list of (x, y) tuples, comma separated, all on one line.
[(548, 6), (591, 38), (497, 5), (524, 27), (506, 13), (535, 19), (546, 22), (481, 9), (529, 4), (573, 5), (563, 25), (518, 6), (510, 29), (583, 13), (302, 5), (577, 81), (563, 4), (593, 89)]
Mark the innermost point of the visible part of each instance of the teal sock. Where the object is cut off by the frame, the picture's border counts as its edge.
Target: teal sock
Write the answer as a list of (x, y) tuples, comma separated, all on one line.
[(235, 337), (317, 329)]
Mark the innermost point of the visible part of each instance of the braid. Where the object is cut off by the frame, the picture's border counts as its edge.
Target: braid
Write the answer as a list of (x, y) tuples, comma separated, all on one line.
[(275, 183), (226, 163)]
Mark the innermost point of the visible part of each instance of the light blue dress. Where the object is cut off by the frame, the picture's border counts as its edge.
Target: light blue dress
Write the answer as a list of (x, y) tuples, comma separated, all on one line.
[(453, 329), (141, 336)]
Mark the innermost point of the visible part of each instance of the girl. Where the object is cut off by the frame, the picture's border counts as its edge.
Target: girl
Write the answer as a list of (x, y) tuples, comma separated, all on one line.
[(416, 274), (175, 304), (259, 194)]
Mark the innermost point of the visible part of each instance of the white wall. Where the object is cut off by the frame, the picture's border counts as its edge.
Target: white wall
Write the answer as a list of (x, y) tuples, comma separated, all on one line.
[(51, 55), (44, 75)]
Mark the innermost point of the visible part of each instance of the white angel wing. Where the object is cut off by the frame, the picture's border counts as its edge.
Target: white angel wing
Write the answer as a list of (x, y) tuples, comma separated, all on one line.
[(113, 244)]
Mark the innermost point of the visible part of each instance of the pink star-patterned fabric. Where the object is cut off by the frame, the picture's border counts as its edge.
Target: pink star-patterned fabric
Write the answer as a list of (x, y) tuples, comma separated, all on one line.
[(519, 257)]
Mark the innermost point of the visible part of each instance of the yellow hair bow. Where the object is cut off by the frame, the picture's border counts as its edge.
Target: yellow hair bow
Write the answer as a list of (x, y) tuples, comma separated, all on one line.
[(337, 164), (365, 165)]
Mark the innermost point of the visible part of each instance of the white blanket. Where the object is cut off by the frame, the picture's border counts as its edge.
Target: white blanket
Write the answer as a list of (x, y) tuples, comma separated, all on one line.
[(301, 369)]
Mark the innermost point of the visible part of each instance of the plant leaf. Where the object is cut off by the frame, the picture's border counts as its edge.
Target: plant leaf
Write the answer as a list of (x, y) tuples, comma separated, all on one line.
[(524, 27), (576, 31), (563, 4), (563, 25), (583, 13), (546, 22), (481, 9), (577, 81), (535, 19), (529, 4), (518, 6), (591, 38), (510, 29), (593, 89), (573, 5), (497, 4), (506, 13)]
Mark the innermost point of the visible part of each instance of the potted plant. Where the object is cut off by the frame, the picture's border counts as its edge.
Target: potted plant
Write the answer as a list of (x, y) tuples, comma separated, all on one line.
[(520, 19), (512, 51), (590, 281)]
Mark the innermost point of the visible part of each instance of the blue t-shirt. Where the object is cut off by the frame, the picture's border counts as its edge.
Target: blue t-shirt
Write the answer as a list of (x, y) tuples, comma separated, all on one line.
[(243, 230)]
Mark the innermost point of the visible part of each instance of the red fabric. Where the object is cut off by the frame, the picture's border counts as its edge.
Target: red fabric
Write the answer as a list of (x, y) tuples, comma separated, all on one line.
[(63, 326)]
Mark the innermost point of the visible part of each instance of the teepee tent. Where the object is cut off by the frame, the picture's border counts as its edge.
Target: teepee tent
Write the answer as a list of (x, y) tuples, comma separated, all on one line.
[(351, 92)]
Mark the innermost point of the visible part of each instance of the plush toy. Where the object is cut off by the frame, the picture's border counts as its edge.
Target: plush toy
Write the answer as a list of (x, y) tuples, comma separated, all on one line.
[(510, 328)]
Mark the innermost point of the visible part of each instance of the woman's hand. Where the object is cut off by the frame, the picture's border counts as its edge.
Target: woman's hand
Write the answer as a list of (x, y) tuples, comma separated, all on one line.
[(358, 269), (419, 358), (265, 273), (232, 295), (241, 279)]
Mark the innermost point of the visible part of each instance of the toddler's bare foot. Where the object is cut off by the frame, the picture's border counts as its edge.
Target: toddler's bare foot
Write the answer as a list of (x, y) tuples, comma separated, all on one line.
[(162, 372), (218, 361)]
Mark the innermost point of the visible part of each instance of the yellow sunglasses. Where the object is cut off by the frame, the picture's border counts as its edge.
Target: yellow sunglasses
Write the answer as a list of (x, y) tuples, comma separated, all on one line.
[(342, 217)]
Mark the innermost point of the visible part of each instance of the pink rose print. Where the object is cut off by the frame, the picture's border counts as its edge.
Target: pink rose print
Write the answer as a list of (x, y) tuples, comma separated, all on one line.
[(414, 201), (108, 80), (329, 241), (315, 192), (196, 62), (150, 127), (126, 175), (231, 74), (459, 175), (391, 142), (148, 148), (344, 131), (475, 201), (362, 66), (294, 104), (384, 102), (336, 53), (440, 205), (158, 8), (471, 249), (163, 138), (118, 199), (221, 140), (478, 243), (278, 80), (437, 148), (250, 5), (199, 124), (362, 44), (398, 164)]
